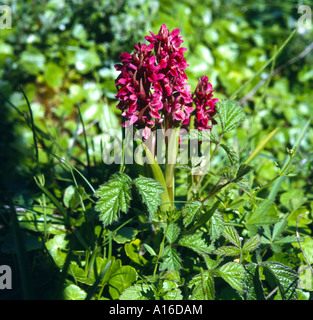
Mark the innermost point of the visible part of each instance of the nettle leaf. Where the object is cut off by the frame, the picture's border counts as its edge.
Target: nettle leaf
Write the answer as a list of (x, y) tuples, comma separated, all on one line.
[(233, 273), (172, 233), (228, 251), (231, 234), (251, 244), (261, 214), (195, 242), (284, 277), (190, 211), (252, 285), (150, 191), (202, 286), (216, 226), (231, 115), (171, 259), (138, 291), (231, 153), (114, 196)]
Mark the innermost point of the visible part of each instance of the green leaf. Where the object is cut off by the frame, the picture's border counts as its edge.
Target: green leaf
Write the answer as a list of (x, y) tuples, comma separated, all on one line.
[(285, 278), (114, 196), (231, 115), (279, 227), (227, 251), (73, 292), (231, 234), (138, 292), (252, 285), (150, 191), (149, 249), (260, 214), (172, 233), (251, 244), (171, 259), (132, 250), (233, 273), (216, 226), (231, 153), (120, 280), (202, 286), (261, 145), (195, 242), (55, 246), (53, 75), (190, 211), (125, 234), (243, 170)]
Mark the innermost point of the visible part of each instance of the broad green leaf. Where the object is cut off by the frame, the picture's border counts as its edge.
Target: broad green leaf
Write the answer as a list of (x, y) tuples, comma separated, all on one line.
[(251, 244), (138, 292), (216, 226), (279, 227), (202, 286), (227, 251), (125, 234), (73, 292), (231, 234), (55, 247), (120, 280), (196, 242), (150, 191), (285, 278), (190, 211), (53, 75), (231, 115), (171, 259), (172, 232), (132, 250), (233, 273), (170, 286), (261, 214), (114, 196)]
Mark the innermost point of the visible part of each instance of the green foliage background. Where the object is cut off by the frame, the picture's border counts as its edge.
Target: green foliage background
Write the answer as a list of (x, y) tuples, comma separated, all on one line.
[(61, 54)]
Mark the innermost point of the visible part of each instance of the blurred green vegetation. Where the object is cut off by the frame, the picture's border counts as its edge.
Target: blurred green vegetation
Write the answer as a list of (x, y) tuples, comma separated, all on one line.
[(61, 54)]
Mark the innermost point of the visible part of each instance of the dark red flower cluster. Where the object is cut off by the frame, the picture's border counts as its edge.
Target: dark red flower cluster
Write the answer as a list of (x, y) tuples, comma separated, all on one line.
[(205, 105), (152, 85)]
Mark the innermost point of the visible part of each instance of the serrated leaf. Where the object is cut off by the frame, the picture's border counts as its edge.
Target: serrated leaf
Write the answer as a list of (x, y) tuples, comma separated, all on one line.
[(279, 227), (114, 196), (202, 286), (260, 214), (233, 273), (243, 170), (231, 153), (216, 226), (172, 233), (138, 292), (190, 211), (231, 115), (196, 243), (251, 244), (286, 279), (252, 285), (171, 259), (150, 191), (227, 251), (231, 234)]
